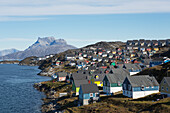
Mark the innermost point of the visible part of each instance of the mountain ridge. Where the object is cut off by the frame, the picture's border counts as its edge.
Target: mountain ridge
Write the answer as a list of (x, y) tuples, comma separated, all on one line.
[(8, 51), (43, 46)]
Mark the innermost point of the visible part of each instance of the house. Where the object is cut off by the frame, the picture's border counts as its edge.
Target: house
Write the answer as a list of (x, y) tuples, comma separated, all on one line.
[(72, 63), (162, 43), (61, 76), (148, 43), (168, 42), (97, 79), (132, 68), (114, 51), (135, 43), (129, 43), (156, 48), (142, 48), (155, 62), (70, 57), (135, 47), (104, 55), (165, 86), (155, 43), (113, 82), (76, 85), (88, 93), (142, 42), (140, 86)]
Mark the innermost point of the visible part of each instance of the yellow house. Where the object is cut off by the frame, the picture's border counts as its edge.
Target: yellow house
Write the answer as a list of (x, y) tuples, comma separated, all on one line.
[(76, 85), (156, 48), (165, 86), (97, 79)]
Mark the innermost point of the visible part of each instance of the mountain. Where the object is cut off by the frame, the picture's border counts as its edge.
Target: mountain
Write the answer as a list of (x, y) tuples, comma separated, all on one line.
[(42, 47), (8, 51)]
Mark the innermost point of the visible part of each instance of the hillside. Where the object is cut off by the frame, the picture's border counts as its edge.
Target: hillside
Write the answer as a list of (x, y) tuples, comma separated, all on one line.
[(8, 51), (42, 47), (158, 72), (61, 56)]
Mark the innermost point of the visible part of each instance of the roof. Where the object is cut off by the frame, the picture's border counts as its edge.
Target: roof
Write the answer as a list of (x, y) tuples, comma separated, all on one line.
[(142, 80), (89, 88), (167, 80), (118, 75), (101, 77), (115, 78), (80, 82), (62, 74), (131, 66), (79, 76)]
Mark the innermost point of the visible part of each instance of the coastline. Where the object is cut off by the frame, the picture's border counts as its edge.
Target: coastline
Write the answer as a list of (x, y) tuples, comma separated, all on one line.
[(54, 102), (9, 62)]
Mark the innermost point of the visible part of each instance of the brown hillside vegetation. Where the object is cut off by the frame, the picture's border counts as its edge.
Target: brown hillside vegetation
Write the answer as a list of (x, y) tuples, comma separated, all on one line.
[(158, 72), (121, 104)]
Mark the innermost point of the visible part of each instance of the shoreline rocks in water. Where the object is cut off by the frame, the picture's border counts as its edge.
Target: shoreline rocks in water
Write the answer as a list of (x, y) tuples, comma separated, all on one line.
[(54, 102), (9, 62)]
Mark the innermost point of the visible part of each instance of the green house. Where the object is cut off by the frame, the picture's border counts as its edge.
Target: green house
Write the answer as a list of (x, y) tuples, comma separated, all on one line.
[(76, 85), (113, 82)]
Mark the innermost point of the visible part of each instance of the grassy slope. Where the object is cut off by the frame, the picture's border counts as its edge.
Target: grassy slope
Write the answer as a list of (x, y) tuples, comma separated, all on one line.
[(121, 104)]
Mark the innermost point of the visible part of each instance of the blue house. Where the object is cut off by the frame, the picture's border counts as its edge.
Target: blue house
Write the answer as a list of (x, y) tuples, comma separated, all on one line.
[(155, 63), (88, 93), (140, 86)]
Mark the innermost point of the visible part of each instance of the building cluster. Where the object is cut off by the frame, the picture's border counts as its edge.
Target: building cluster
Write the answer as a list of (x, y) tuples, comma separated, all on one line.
[(110, 71), (146, 47)]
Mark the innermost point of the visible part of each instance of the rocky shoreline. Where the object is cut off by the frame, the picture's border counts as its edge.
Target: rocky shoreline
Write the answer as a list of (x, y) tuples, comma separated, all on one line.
[(54, 102), (10, 62)]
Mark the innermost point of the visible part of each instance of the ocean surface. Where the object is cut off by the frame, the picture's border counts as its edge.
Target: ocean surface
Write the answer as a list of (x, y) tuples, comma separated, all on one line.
[(17, 94)]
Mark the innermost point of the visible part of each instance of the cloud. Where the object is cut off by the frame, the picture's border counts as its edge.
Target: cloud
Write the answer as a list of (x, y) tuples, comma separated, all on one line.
[(36, 8), (2, 18)]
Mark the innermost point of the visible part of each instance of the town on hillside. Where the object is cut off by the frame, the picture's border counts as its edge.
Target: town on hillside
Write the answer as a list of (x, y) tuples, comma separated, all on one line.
[(100, 71)]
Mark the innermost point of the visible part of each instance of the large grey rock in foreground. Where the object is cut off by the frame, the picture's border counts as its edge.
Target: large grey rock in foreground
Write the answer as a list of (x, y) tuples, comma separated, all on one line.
[(42, 47)]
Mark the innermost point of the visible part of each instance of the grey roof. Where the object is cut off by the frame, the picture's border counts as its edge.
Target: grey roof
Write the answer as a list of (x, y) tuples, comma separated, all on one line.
[(79, 76), (118, 75), (101, 77), (167, 80), (142, 80), (80, 82), (121, 71), (115, 78), (132, 66), (62, 74), (89, 88)]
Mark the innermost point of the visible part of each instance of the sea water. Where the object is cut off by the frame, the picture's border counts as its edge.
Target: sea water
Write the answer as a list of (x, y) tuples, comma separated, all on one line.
[(17, 94)]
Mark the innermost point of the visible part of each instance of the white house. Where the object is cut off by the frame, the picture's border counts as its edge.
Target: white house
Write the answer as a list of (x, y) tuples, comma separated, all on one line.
[(140, 86)]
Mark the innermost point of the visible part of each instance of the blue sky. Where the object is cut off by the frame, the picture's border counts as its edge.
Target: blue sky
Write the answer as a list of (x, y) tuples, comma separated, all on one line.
[(82, 23)]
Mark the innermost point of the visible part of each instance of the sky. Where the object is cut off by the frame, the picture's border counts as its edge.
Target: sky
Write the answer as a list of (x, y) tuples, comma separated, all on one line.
[(82, 22)]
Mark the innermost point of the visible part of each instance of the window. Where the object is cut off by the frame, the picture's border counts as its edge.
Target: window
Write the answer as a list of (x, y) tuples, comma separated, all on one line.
[(124, 86), (164, 81), (162, 88), (91, 94), (97, 95), (142, 87), (129, 87), (119, 84)]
